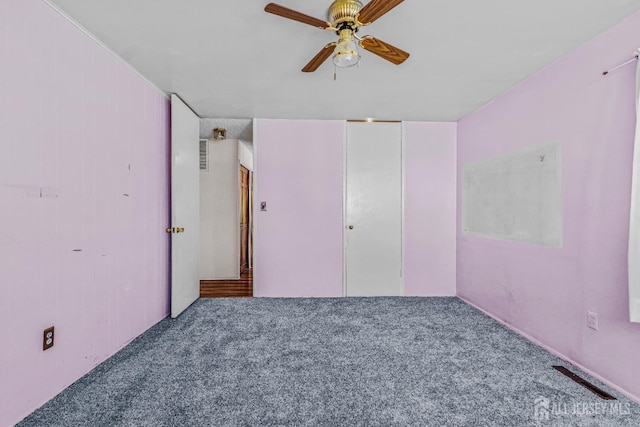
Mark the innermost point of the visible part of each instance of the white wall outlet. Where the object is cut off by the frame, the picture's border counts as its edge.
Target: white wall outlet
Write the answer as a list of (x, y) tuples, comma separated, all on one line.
[(592, 320)]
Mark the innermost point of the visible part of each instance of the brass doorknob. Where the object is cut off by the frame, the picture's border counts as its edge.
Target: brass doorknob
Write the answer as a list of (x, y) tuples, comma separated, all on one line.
[(351, 227), (175, 230)]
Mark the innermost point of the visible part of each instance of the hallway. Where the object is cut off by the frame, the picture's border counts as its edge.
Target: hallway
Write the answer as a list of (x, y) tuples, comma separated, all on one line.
[(231, 288)]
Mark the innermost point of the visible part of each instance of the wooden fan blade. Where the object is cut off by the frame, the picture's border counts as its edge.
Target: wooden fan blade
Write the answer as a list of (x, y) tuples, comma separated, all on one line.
[(319, 59), (285, 12), (384, 50), (375, 9)]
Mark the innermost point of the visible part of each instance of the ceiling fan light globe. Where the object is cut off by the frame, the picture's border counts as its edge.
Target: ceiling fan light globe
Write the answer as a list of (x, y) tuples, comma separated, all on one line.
[(346, 60), (346, 54)]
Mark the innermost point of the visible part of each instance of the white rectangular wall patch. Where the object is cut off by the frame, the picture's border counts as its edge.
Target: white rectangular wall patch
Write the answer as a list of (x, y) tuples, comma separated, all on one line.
[(515, 197)]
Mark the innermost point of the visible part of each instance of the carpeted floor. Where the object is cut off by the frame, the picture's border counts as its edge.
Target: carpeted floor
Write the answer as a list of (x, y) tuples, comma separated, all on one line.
[(331, 362)]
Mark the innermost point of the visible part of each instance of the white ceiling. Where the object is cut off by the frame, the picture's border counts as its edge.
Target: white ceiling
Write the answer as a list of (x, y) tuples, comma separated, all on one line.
[(231, 59)]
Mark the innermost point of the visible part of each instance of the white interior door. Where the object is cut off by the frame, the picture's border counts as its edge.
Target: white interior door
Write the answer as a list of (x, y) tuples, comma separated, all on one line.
[(185, 206), (373, 217)]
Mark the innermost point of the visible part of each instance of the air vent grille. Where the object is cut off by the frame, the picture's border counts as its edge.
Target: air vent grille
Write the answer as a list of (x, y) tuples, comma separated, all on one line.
[(584, 383), (204, 155)]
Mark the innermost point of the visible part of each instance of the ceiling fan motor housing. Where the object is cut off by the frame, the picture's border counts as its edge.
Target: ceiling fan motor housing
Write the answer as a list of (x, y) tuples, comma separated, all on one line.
[(342, 13)]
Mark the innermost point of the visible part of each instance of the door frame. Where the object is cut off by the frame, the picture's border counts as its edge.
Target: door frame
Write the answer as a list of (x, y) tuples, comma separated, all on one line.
[(344, 201), (254, 208)]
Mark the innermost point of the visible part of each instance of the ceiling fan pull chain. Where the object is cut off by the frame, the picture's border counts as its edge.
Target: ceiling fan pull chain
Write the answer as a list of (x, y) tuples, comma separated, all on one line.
[(335, 72)]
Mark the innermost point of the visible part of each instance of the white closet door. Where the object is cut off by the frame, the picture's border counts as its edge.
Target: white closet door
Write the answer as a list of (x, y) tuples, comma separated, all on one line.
[(373, 217), (185, 206)]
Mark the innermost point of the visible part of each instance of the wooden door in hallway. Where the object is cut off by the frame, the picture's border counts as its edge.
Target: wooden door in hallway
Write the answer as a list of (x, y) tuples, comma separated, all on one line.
[(244, 219)]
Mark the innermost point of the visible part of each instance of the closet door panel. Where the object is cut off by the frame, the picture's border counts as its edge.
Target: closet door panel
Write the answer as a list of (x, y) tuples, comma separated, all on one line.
[(373, 217)]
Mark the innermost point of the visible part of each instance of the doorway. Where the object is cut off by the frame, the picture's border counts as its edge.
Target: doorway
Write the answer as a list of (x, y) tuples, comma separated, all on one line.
[(226, 240)]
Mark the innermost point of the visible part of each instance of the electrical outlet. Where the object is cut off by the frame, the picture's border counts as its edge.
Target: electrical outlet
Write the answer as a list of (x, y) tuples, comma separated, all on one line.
[(47, 338), (592, 320)]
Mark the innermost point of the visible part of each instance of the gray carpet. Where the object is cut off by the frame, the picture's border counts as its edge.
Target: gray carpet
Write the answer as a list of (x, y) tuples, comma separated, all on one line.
[(330, 362)]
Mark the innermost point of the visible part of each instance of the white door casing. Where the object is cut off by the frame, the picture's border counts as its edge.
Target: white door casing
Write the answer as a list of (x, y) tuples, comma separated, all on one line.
[(634, 226), (373, 209), (185, 206)]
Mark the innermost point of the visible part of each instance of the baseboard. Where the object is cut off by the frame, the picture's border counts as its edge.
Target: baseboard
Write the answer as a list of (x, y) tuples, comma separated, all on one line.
[(556, 353)]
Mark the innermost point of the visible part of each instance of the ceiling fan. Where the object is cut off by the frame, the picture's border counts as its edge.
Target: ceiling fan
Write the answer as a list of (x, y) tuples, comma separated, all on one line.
[(345, 18)]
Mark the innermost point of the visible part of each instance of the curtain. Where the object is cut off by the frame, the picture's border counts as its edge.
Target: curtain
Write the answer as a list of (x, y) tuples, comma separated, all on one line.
[(634, 229)]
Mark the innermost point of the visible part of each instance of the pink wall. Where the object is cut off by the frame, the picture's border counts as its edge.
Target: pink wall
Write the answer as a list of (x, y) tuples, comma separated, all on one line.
[(299, 240), (298, 250), (75, 252), (430, 206), (543, 292)]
